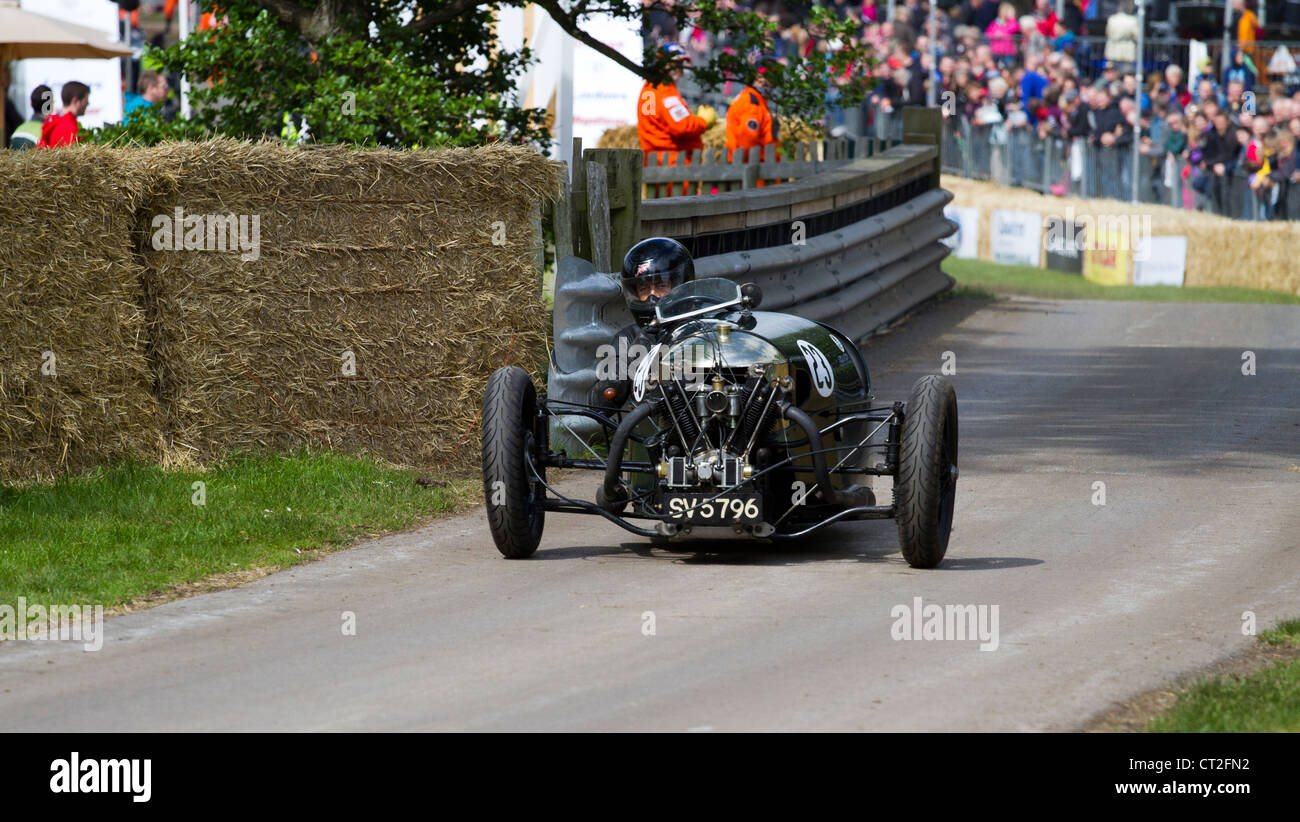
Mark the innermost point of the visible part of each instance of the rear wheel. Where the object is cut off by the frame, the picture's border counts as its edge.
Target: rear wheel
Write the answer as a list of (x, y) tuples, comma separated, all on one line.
[(514, 496), (927, 472)]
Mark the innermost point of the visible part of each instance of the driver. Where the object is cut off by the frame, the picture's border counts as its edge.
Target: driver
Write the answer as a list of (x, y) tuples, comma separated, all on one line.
[(651, 269)]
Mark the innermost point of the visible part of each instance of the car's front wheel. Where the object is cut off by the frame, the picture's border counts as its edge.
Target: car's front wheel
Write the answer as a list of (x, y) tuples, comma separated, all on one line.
[(511, 477), (926, 490)]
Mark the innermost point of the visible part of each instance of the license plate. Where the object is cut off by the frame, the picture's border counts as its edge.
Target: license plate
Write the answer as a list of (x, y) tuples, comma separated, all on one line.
[(703, 509)]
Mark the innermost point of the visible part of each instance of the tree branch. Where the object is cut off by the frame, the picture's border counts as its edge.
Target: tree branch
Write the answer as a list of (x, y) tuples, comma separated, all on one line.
[(570, 25), (288, 12), (322, 20), (315, 23), (428, 19)]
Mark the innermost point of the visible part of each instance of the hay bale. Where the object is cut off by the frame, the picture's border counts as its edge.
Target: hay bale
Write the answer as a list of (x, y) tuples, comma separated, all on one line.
[(375, 310), (619, 137), (626, 136), (800, 131), (75, 385), (418, 267), (716, 135), (1220, 251)]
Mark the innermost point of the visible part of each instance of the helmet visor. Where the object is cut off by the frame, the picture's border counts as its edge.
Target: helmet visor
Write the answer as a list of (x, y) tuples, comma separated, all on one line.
[(657, 286), (649, 287)]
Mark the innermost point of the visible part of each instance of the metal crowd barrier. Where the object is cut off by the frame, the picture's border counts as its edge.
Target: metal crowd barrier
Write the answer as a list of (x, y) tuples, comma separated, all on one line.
[(1074, 168)]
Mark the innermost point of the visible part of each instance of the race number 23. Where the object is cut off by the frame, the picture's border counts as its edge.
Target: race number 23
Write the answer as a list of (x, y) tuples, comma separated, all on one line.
[(819, 368)]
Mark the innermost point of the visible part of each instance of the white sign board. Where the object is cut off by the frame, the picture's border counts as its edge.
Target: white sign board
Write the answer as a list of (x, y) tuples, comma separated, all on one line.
[(1160, 261), (103, 76), (1016, 237), (966, 242), (548, 81), (1196, 52), (587, 91), (604, 93), (1281, 62)]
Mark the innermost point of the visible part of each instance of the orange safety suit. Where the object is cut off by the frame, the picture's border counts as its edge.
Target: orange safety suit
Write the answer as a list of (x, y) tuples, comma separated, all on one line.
[(665, 124), (749, 125)]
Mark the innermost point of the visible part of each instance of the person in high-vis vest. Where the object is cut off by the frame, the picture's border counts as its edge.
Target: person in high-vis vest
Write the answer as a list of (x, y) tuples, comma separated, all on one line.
[(664, 124), (749, 124), (28, 134)]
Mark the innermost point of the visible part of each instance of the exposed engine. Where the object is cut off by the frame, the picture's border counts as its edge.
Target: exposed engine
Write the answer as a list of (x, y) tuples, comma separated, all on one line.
[(715, 424)]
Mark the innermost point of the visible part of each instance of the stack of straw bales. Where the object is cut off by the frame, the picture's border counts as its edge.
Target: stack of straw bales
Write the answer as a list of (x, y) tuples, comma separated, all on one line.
[(384, 288), (375, 311), (75, 386), (1220, 251)]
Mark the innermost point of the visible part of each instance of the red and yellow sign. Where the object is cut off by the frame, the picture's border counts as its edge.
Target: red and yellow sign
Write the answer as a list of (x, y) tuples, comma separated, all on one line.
[(1107, 259)]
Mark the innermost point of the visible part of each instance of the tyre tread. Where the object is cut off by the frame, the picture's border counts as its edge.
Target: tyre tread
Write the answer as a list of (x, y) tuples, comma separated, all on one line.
[(508, 400), (920, 474)]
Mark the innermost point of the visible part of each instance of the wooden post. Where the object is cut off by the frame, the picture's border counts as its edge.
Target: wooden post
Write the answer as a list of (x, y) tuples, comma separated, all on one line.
[(537, 239), (922, 125), (598, 215), (563, 220), (925, 126), (578, 204), (622, 169)]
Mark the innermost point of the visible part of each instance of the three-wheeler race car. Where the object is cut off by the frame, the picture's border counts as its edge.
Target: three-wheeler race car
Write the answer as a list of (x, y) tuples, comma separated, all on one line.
[(740, 424)]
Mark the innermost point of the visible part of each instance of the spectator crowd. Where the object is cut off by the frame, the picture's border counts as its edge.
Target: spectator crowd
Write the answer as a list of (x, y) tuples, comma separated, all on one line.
[(1009, 77), (1001, 78)]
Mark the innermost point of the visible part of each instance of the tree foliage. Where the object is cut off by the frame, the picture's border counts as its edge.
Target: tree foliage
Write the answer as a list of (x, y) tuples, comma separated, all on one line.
[(431, 72)]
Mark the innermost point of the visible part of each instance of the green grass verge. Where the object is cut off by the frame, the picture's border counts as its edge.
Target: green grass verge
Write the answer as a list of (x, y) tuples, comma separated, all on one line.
[(1267, 700), (1286, 633), (133, 530), (1041, 282)]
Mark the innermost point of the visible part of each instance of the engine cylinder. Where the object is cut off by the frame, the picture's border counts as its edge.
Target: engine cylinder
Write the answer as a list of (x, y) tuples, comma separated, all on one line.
[(758, 415), (680, 410)]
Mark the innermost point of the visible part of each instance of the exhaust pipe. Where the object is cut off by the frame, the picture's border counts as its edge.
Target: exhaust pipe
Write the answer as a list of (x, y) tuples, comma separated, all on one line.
[(797, 416), (609, 496)]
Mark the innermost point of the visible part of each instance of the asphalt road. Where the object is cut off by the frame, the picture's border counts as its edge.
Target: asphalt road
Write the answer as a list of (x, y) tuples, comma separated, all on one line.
[(1201, 523)]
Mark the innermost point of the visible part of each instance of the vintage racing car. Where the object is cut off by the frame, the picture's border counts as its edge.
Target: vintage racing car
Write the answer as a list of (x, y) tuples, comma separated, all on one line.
[(741, 423)]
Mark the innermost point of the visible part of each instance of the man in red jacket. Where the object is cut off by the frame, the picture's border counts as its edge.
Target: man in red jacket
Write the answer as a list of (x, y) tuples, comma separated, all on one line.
[(61, 129), (664, 123)]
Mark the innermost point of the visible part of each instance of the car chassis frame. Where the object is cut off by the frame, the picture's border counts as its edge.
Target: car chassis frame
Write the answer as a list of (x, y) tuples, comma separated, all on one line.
[(890, 417)]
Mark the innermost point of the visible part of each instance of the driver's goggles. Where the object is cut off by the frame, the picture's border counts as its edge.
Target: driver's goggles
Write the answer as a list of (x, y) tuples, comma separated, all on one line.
[(653, 287)]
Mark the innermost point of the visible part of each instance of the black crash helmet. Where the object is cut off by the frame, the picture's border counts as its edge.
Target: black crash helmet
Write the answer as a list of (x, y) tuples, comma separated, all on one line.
[(650, 270)]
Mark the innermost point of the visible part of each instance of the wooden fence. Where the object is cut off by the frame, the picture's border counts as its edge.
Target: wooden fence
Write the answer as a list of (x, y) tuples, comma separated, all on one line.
[(598, 215), (709, 171)]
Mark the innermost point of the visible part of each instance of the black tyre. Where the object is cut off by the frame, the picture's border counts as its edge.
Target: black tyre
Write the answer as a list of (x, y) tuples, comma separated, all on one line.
[(927, 473), (514, 497)]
